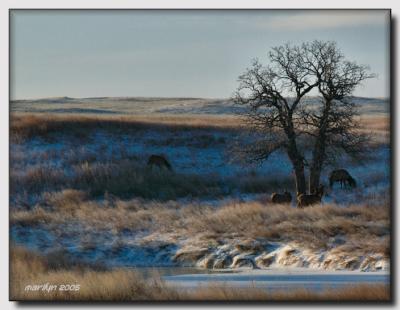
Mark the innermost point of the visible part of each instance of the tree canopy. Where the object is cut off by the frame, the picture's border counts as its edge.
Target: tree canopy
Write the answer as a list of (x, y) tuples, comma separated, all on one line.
[(284, 118)]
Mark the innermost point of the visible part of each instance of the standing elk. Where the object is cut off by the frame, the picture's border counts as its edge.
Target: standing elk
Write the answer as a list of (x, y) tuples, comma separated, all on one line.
[(343, 177), (159, 161), (286, 197), (305, 200)]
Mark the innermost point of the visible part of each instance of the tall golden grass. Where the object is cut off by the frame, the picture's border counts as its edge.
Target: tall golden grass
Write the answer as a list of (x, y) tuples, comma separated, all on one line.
[(28, 268), (366, 227), (25, 125)]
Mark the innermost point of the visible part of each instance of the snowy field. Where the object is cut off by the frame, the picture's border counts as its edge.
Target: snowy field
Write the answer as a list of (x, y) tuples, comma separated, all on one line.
[(201, 151)]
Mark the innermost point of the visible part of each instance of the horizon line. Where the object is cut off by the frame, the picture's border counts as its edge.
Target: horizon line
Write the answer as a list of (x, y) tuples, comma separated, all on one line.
[(161, 97)]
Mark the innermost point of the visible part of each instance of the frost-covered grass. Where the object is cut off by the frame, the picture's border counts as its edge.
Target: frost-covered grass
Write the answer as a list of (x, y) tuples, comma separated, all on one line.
[(362, 229), (109, 155), (127, 178)]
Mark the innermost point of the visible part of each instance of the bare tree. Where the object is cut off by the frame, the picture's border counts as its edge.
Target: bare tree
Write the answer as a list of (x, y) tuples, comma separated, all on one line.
[(281, 118), (273, 94), (333, 125)]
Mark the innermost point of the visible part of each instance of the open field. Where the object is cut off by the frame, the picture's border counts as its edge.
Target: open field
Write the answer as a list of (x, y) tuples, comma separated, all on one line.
[(80, 192)]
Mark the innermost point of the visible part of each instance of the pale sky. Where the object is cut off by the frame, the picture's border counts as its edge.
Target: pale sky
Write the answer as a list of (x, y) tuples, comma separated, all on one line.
[(170, 53)]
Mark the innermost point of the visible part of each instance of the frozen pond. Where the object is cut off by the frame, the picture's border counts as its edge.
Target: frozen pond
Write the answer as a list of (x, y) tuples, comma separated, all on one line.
[(278, 279)]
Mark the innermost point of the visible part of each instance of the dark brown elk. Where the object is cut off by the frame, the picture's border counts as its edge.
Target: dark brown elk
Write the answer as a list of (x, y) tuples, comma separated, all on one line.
[(159, 161), (343, 177), (286, 197), (305, 200)]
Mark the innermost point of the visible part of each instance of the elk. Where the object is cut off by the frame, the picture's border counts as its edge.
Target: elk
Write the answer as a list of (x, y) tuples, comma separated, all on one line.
[(304, 200), (286, 197), (159, 161), (343, 177)]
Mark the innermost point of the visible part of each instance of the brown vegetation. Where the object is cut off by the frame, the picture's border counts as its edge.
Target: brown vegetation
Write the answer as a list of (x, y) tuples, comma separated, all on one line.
[(28, 268), (365, 226), (26, 125)]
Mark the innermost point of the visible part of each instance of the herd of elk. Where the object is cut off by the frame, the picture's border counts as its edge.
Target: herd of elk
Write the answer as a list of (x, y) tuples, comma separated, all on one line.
[(343, 177), (303, 200)]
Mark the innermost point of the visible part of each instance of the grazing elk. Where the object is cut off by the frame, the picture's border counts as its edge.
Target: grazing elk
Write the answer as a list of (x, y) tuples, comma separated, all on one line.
[(343, 177), (159, 161), (286, 197), (304, 200)]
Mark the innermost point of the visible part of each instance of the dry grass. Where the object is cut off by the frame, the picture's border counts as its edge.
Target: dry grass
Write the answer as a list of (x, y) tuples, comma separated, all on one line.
[(352, 293), (27, 125), (28, 268), (378, 127), (366, 227), (375, 123)]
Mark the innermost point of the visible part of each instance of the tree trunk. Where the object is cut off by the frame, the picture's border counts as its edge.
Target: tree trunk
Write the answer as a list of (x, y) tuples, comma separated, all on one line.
[(300, 180), (298, 165), (315, 175), (319, 151), (317, 163)]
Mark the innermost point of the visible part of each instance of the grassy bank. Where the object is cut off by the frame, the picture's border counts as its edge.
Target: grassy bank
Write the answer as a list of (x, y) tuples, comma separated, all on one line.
[(28, 268), (363, 228)]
